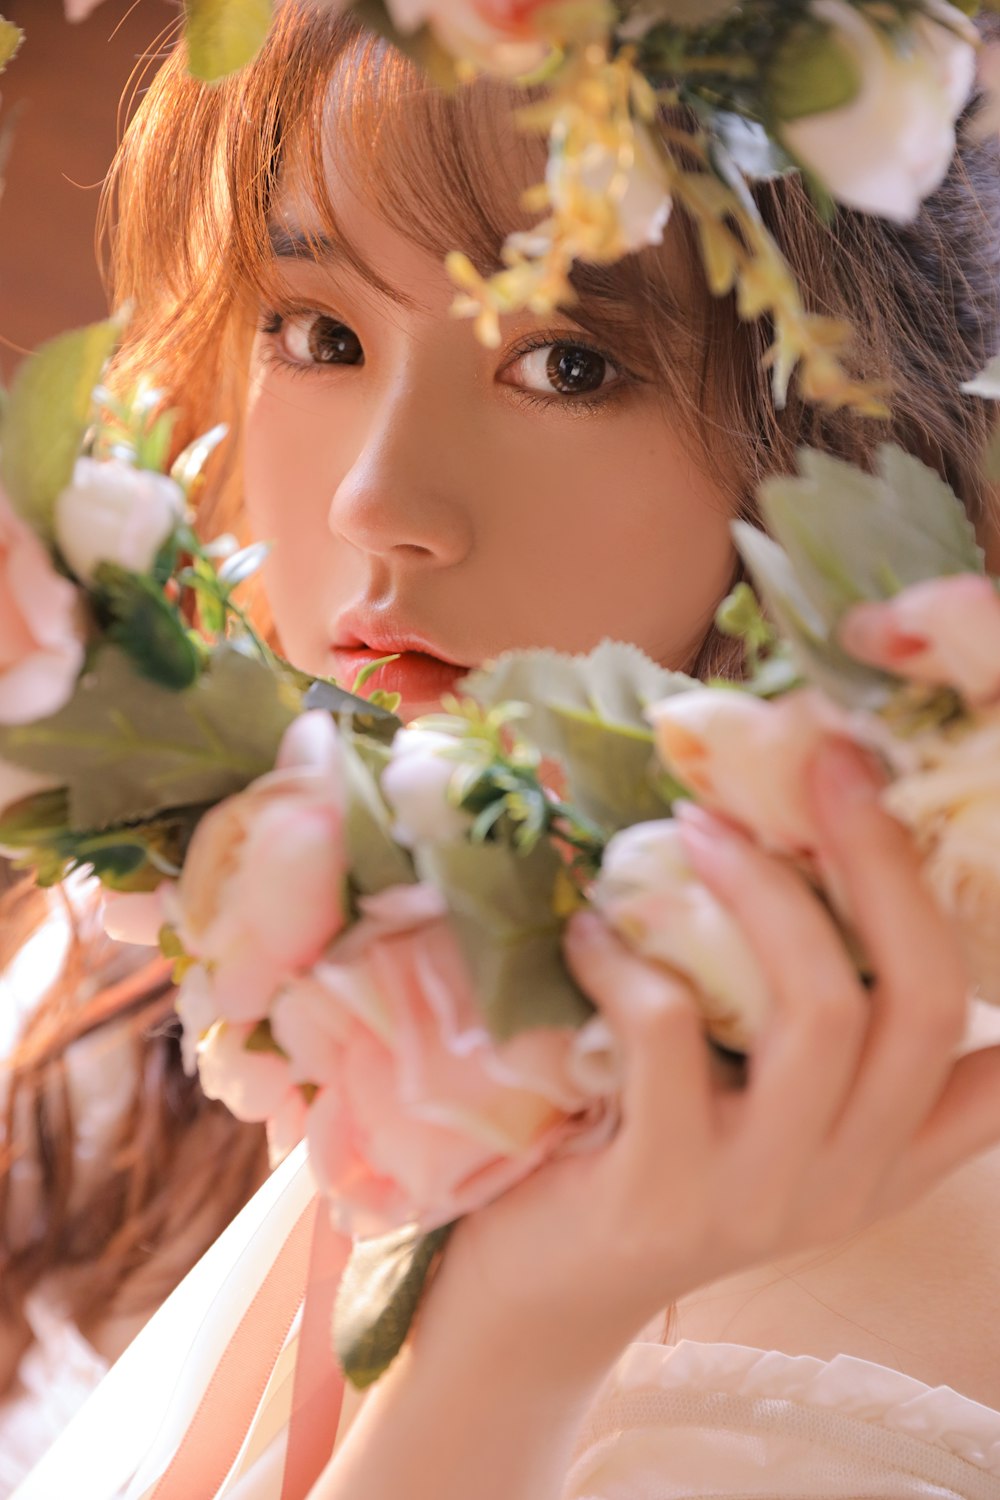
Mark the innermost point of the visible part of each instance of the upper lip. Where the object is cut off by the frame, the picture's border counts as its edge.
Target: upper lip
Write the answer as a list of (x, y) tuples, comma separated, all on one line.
[(360, 628)]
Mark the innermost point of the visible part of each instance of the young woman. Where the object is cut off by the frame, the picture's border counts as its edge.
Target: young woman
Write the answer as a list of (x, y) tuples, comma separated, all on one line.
[(281, 236)]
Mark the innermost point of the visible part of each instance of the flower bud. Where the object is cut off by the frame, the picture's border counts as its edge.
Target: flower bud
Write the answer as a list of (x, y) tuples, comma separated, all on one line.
[(416, 784), (112, 513)]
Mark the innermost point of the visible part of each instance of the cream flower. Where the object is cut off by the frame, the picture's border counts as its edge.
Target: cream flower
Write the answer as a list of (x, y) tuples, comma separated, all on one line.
[(115, 513), (890, 146)]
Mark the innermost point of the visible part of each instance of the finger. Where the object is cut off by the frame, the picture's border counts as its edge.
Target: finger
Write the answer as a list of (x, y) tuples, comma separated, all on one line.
[(964, 1122), (919, 999), (804, 1063), (667, 1090)]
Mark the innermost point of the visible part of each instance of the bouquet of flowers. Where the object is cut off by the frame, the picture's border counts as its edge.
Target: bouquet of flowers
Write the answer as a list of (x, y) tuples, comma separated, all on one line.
[(366, 916)]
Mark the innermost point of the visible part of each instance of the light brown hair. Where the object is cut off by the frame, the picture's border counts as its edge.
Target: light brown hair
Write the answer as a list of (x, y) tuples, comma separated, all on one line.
[(188, 205)]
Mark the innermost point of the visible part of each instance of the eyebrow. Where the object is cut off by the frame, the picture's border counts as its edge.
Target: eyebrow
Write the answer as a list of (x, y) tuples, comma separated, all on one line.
[(296, 244)]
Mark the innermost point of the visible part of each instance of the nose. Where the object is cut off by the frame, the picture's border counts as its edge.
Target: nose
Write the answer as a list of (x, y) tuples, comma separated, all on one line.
[(405, 498)]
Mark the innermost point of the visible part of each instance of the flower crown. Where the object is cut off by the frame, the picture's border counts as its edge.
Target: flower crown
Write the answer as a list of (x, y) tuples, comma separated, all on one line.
[(654, 104)]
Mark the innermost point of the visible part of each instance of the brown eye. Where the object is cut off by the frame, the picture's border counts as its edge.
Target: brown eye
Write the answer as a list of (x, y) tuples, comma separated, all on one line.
[(315, 339), (562, 370), (575, 372)]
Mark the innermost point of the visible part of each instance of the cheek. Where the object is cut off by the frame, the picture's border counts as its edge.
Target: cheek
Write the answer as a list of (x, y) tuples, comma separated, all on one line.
[(629, 537), (291, 467)]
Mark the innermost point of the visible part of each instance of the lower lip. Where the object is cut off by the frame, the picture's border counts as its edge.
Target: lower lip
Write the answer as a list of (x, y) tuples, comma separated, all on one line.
[(419, 679)]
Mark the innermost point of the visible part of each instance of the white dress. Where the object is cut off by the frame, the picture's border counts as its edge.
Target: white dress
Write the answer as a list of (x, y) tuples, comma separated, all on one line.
[(692, 1420)]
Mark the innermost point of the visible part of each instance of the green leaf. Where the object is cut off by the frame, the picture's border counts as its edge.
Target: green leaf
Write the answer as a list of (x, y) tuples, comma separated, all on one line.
[(374, 859), (127, 748), (420, 45), (504, 908), (808, 634), (147, 628), (366, 717), (46, 416), (11, 37), (749, 147), (378, 1298), (589, 712), (811, 73), (851, 535), (224, 35)]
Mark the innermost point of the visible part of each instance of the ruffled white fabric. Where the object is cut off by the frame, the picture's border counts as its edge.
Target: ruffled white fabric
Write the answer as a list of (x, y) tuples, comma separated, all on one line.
[(696, 1420), (54, 1379), (730, 1423)]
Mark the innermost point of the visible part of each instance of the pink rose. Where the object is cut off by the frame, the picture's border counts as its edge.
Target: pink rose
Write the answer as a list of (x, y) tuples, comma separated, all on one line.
[(747, 757), (136, 916), (420, 1116), (501, 36), (264, 884), (944, 632), (41, 628)]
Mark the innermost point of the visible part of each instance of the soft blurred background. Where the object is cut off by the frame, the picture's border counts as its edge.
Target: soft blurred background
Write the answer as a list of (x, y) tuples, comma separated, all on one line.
[(67, 95)]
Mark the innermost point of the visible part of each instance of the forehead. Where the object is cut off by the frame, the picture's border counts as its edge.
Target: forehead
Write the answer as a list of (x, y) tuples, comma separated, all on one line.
[(386, 161)]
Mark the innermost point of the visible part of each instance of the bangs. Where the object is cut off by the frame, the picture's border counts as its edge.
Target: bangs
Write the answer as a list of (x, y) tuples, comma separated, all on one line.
[(446, 170)]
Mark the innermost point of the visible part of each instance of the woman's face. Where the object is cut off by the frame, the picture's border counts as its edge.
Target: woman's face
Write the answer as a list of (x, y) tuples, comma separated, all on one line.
[(431, 497)]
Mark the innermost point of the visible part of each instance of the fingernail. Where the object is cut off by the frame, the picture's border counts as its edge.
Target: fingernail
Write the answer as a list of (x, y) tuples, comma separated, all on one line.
[(844, 772)]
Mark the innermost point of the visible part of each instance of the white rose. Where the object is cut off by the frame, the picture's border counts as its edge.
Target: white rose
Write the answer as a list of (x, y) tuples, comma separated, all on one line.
[(114, 513), (890, 146), (649, 894), (950, 799), (416, 784)]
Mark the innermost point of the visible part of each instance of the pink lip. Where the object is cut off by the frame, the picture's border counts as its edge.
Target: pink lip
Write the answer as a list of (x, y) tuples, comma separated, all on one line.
[(418, 677), (422, 674)]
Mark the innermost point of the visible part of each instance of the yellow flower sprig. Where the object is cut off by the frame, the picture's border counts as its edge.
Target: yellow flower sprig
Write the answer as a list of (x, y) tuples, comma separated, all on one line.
[(597, 107), (591, 119)]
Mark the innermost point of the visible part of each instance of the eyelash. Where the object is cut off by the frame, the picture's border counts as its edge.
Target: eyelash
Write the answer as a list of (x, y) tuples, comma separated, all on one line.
[(271, 323)]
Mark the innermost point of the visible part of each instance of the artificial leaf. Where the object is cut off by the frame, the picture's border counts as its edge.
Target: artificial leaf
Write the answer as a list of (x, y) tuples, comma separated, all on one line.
[(363, 715), (749, 147), (46, 416), (374, 858), (187, 466), (811, 73), (808, 634), (127, 749), (243, 564), (504, 906), (986, 383), (589, 712), (378, 1298), (420, 43), (224, 35), (147, 627), (852, 536), (11, 37)]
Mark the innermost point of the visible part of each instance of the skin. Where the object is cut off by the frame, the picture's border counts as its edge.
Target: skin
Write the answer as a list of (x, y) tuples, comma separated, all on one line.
[(424, 483)]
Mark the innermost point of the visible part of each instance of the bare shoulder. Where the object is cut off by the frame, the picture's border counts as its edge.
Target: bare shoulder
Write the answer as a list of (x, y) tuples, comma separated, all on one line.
[(918, 1292)]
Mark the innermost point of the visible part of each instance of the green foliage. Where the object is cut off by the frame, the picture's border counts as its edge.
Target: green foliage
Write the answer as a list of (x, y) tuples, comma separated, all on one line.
[(150, 631), (224, 35), (127, 748), (841, 536), (810, 74), (505, 907), (46, 416), (378, 1299), (589, 713), (36, 833)]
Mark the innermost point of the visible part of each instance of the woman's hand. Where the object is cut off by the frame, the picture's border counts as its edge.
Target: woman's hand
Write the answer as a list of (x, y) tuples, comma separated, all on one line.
[(854, 1102)]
